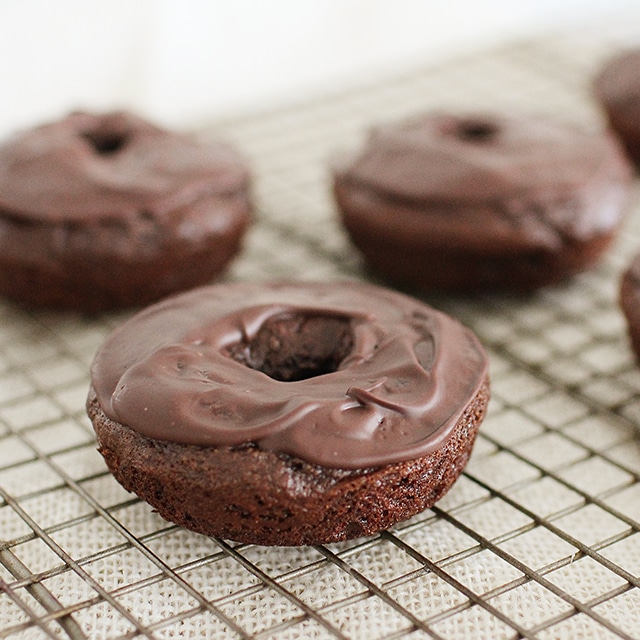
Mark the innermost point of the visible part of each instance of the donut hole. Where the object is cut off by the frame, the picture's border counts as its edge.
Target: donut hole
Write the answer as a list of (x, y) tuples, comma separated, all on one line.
[(297, 347), (106, 142), (475, 131)]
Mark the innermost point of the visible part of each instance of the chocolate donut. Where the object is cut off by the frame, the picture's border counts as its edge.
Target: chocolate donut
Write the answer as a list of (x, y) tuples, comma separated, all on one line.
[(617, 89), (107, 211), (481, 201), (288, 414), (630, 302)]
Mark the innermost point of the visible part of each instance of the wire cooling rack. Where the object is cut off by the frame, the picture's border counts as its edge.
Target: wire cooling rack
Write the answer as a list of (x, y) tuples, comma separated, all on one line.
[(539, 538)]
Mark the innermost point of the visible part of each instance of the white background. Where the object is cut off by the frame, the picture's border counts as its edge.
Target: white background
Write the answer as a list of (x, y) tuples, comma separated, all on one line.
[(183, 63)]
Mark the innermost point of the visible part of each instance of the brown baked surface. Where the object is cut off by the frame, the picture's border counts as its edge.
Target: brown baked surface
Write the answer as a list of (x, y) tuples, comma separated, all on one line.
[(437, 261), (262, 497)]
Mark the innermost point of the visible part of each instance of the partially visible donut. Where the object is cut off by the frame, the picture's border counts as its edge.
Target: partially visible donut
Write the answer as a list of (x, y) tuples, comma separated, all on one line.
[(288, 414), (630, 302), (617, 89), (107, 211), (480, 201)]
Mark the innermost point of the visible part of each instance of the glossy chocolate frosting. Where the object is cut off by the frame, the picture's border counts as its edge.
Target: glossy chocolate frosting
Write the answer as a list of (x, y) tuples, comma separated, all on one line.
[(172, 372), (114, 165), (539, 178)]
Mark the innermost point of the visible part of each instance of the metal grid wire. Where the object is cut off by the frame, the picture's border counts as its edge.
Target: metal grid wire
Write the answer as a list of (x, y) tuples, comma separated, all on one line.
[(538, 539)]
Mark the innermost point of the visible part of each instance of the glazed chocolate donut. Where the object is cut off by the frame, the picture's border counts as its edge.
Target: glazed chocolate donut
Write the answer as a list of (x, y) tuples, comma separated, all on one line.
[(617, 89), (288, 414), (481, 201), (107, 211), (630, 302)]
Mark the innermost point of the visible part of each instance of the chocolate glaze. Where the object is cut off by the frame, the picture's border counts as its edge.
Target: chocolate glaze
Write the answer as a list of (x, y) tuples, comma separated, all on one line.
[(513, 179), (114, 166), (172, 373)]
